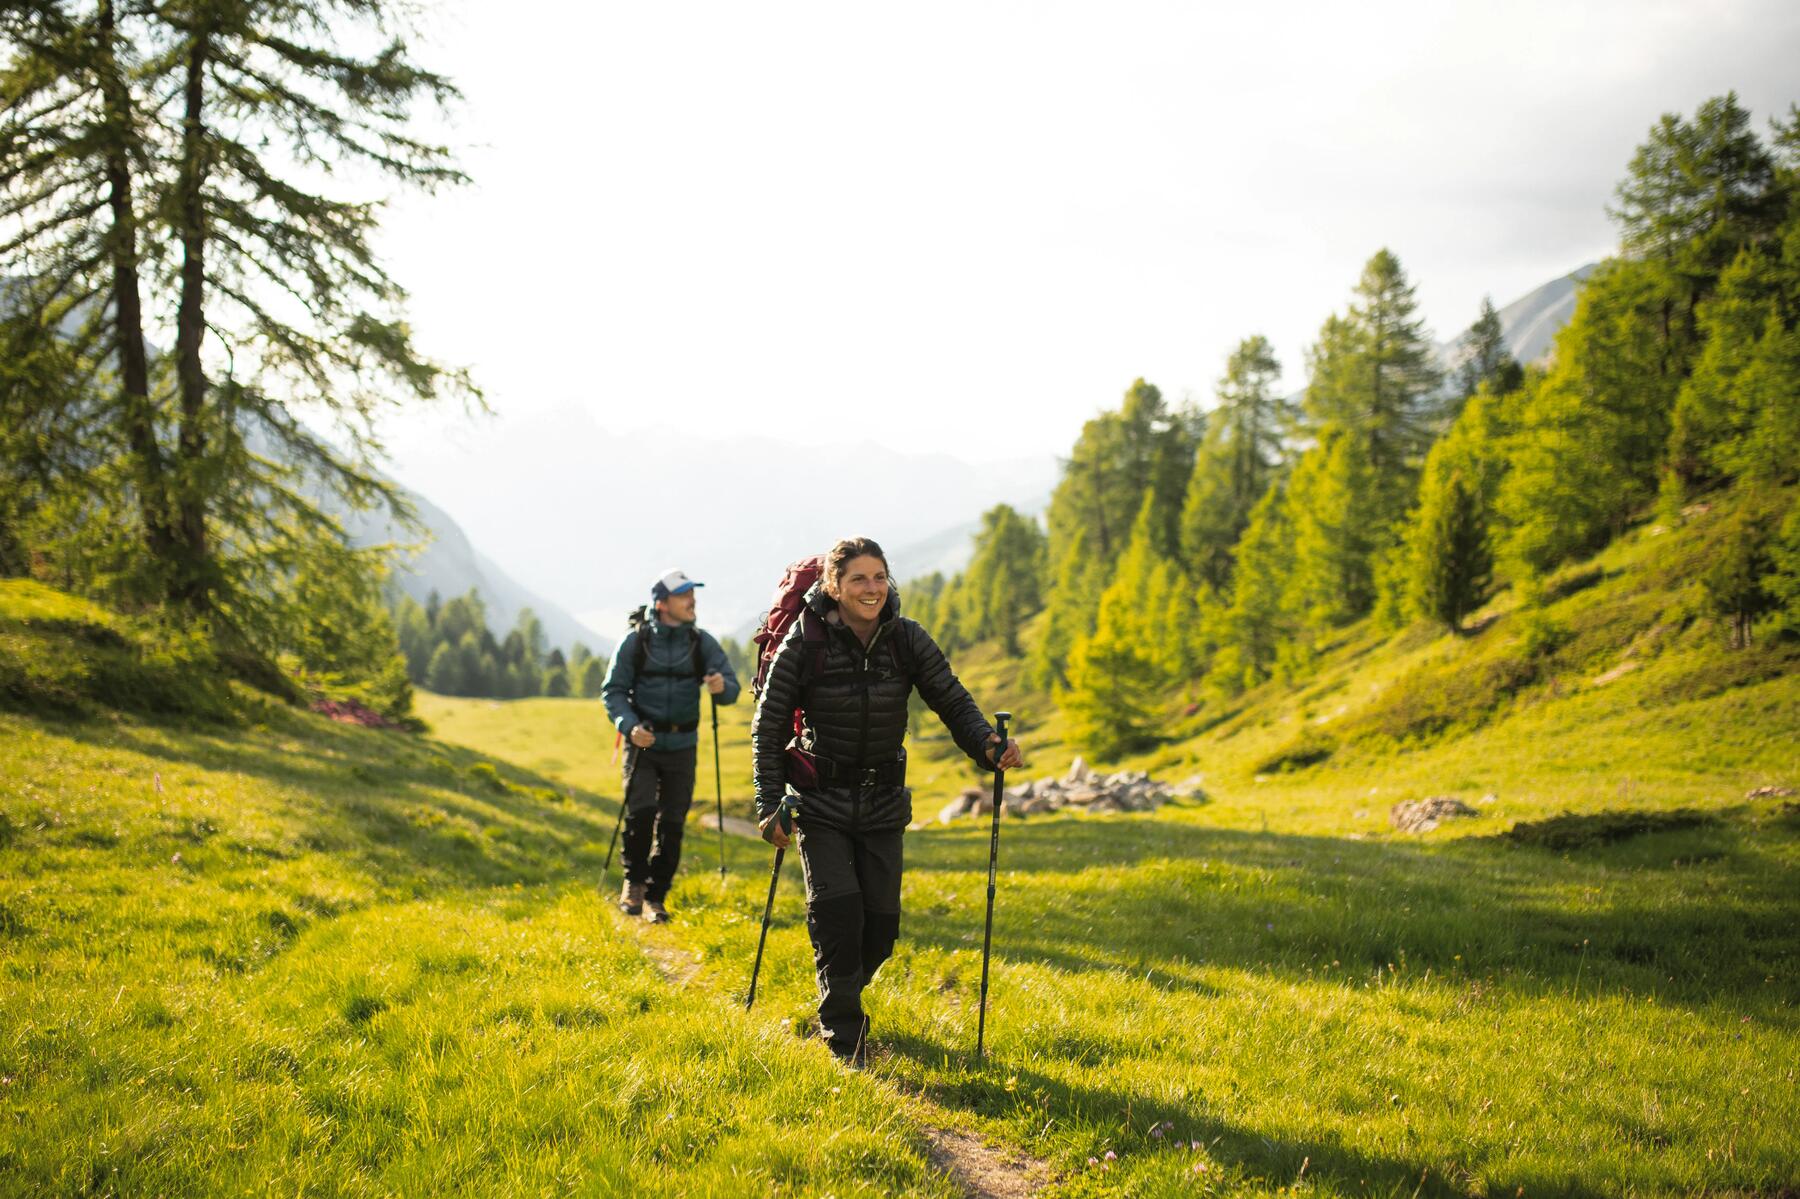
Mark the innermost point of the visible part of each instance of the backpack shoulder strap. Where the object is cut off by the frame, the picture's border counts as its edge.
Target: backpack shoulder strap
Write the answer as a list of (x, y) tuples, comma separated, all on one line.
[(640, 648), (813, 638), (903, 647)]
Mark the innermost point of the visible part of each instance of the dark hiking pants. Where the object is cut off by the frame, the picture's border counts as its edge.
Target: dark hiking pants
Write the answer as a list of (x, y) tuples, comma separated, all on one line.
[(853, 917), (656, 807)]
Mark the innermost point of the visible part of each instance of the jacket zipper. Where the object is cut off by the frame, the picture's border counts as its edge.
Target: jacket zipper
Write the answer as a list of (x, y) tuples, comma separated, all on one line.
[(862, 735)]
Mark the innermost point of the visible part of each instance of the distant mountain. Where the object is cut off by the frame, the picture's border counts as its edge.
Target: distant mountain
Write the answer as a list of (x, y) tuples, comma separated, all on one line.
[(450, 565), (1531, 322), (593, 517)]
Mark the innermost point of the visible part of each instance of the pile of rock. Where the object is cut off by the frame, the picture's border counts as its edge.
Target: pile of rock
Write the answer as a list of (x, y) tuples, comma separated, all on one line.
[(1423, 815), (1082, 787)]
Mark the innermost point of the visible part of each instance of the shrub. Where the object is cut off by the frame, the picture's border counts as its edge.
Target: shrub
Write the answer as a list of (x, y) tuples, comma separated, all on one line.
[(1590, 831), (1308, 749), (1426, 702)]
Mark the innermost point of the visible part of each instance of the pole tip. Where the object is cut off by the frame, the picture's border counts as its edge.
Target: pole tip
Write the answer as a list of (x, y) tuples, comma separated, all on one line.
[(1002, 715)]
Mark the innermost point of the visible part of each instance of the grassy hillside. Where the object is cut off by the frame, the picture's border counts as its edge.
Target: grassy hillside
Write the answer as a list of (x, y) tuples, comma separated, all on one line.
[(336, 960), (1621, 692), (1588, 988), (266, 952)]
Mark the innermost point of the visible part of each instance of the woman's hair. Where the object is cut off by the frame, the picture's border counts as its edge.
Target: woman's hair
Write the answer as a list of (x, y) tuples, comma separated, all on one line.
[(841, 556)]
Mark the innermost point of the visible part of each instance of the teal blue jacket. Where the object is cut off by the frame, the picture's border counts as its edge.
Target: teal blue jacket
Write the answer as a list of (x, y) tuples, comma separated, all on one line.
[(667, 692)]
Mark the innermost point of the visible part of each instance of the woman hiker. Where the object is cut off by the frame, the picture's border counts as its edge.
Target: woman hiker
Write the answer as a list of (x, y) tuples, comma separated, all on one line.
[(849, 664)]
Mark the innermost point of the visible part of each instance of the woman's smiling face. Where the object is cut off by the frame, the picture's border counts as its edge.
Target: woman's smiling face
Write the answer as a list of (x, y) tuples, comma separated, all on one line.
[(862, 588)]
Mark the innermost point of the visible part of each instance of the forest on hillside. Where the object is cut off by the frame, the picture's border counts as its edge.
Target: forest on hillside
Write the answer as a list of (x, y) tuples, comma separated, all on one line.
[(1191, 555), (163, 175)]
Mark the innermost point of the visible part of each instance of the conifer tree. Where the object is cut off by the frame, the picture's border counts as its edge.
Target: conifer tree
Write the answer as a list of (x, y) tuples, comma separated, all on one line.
[(1592, 432), (1696, 192), (556, 681), (1451, 560), (1485, 358), (1118, 674), (1120, 457), (72, 141), (1375, 374), (1004, 581), (593, 677), (1257, 623), (444, 674), (195, 116), (1783, 580), (1737, 579), (1236, 460), (1338, 527), (531, 633), (471, 670), (1475, 449)]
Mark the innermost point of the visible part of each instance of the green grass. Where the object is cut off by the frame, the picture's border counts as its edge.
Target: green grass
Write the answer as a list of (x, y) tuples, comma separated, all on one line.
[(66, 657), (298, 957), (332, 960)]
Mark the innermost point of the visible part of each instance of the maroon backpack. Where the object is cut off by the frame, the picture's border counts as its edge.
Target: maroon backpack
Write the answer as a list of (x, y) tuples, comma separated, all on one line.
[(790, 606)]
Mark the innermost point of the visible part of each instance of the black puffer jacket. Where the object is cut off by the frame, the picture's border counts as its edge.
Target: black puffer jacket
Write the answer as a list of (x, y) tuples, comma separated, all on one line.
[(855, 715)]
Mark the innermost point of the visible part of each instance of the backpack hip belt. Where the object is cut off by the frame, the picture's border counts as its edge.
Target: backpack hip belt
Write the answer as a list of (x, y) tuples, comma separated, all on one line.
[(844, 774)]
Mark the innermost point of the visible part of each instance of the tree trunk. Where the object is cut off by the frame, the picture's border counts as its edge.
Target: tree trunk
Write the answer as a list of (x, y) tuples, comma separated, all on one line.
[(192, 586), (134, 366)]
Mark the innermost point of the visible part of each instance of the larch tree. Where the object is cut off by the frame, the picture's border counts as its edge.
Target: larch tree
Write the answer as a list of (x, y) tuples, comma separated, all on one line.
[(1236, 460)]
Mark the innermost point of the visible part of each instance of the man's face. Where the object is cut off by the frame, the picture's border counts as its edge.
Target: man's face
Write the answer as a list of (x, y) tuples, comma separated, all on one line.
[(677, 609)]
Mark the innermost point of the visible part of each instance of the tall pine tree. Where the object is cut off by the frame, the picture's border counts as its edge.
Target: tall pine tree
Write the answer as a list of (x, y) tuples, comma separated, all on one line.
[(1236, 460)]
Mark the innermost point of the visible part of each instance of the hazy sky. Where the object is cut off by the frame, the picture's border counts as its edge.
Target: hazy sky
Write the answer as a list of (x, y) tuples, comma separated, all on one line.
[(970, 226)]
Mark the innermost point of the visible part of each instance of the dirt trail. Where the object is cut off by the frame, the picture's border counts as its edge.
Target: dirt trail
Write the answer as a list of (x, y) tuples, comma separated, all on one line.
[(982, 1171), (978, 1169), (677, 966)]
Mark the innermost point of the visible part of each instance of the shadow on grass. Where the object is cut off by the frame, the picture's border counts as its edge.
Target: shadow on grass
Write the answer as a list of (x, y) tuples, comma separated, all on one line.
[(1025, 1095), (415, 811), (1696, 915)]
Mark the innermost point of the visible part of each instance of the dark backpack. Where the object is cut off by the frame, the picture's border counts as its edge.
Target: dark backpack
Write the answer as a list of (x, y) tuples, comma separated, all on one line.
[(639, 621)]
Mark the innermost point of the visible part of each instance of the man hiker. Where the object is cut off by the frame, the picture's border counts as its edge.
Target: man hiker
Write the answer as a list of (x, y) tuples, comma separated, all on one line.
[(652, 696)]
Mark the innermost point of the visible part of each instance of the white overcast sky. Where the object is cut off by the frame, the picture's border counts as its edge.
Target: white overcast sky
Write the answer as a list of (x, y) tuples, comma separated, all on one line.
[(970, 226)]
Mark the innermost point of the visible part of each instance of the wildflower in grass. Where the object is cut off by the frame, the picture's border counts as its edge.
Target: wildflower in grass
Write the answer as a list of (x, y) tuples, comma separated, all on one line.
[(1093, 1161), (1111, 1156)]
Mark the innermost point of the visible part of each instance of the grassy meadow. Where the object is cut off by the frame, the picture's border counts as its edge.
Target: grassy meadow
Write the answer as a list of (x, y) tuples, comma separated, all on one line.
[(259, 952)]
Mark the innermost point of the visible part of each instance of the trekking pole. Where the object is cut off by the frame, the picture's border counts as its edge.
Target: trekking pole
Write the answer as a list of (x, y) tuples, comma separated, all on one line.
[(787, 826), (987, 938), (631, 757), (719, 787)]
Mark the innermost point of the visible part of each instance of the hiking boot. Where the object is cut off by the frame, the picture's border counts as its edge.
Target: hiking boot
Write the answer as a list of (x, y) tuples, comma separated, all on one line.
[(856, 1056), (631, 899), (655, 913), (859, 1057)]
